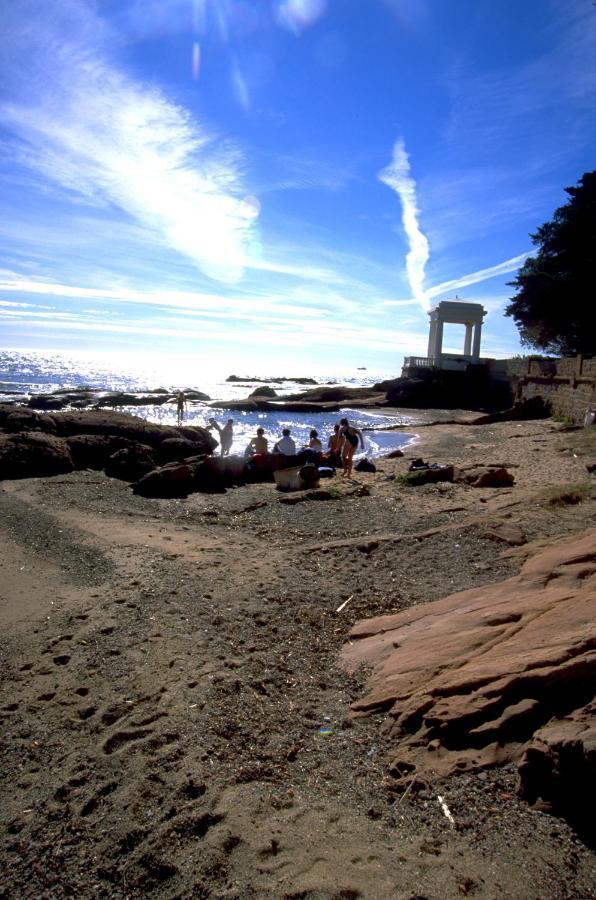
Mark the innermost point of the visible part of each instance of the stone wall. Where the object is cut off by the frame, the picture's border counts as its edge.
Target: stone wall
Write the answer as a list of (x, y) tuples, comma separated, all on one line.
[(568, 385)]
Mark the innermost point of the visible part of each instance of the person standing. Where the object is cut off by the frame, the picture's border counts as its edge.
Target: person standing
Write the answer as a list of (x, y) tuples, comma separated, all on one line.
[(180, 407), (227, 437), (351, 436)]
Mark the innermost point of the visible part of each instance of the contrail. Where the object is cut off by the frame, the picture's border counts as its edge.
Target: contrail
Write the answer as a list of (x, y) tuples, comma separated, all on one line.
[(397, 176)]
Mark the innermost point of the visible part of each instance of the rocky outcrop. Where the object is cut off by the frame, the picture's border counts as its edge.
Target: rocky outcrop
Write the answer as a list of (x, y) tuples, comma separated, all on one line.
[(35, 444), (83, 398), (174, 480), (33, 455), (484, 476), (558, 769), (130, 463), (442, 389), (264, 391), (248, 379), (490, 675)]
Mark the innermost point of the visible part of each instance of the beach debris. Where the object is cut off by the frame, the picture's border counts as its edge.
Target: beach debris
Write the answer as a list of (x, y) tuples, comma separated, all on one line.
[(344, 604), (326, 730), (365, 465), (446, 810)]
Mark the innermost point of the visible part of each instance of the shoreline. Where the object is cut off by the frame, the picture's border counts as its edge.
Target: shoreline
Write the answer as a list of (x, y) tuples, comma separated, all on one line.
[(175, 718)]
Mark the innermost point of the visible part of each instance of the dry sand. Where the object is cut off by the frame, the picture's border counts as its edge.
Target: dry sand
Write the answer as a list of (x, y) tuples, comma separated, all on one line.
[(168, 665)]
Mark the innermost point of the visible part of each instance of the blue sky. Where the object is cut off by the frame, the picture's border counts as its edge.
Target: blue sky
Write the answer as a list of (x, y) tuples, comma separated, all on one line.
[(283, 182)]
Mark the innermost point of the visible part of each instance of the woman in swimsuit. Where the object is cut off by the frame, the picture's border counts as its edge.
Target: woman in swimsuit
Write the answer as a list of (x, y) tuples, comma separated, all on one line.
[(351, 436)]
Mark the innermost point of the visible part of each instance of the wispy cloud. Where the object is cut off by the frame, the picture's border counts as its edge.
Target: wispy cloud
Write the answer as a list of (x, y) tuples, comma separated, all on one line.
[(397, 176), (103, 137), (509, 265)]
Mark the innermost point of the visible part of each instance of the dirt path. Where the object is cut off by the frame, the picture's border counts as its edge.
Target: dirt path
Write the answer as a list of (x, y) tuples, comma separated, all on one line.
[(174, 720)]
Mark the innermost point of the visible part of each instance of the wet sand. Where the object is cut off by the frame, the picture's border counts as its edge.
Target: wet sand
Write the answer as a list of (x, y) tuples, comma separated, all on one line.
[(174, 720)]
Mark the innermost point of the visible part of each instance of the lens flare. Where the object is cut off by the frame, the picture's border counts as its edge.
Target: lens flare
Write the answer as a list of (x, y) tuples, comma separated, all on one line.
[(296, 15), (196, 60)]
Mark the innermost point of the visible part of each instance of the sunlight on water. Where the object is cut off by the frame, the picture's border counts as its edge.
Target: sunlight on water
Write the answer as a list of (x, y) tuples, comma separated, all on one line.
[(32, 372)]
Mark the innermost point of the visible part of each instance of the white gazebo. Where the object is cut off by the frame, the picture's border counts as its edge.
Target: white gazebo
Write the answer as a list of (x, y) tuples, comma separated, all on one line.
[(456, 312)]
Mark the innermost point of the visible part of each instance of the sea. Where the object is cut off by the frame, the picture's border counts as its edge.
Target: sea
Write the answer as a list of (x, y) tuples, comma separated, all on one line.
[(27, 372)]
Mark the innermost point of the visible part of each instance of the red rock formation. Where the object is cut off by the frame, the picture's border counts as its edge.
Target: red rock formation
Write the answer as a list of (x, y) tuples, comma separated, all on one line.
[(467, 681)]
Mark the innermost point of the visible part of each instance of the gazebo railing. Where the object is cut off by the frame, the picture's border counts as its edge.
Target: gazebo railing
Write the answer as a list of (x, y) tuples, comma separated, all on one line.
[(418, 362)]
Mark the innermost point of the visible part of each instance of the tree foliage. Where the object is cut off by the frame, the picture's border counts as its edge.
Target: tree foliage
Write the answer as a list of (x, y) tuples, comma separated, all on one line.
[(554, 307)]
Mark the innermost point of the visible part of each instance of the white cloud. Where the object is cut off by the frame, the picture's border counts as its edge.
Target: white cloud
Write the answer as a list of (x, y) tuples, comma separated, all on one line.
[(397, 176), (88, 127), (509, 265)]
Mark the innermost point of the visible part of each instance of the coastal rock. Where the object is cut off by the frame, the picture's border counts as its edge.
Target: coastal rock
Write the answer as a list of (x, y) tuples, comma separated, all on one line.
[(91, 451), (179, 448), (134, 428), (395, 454), (558, 768), (33, 455), (444, 389), (484, 476), (87, 439), (81, 398), (467, 681), (172, 480), (338, 394), (130, 463), (263, 391), (46, 401), (247, 378), (20, 418)]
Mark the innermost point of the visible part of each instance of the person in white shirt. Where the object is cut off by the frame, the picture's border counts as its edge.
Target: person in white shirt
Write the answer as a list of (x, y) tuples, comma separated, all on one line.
[(285, 445)]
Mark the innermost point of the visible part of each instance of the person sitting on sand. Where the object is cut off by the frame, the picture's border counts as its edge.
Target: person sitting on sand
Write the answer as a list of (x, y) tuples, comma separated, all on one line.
[(285, 444), (258, 444), (350, 435), (314, 443), (180, 407)]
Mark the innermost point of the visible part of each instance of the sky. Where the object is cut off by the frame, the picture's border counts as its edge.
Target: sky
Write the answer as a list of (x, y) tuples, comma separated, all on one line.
[(281, 182)]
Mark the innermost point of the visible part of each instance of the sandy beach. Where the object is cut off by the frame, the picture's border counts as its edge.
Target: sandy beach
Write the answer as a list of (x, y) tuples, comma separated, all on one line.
[(175, 722)]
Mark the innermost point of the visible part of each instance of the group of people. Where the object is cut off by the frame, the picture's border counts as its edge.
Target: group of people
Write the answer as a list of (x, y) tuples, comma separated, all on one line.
[(341, 446)]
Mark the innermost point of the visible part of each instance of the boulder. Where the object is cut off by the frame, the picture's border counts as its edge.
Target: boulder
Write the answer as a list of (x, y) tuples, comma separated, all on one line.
[(46, 401), (131, 462), (394, 454), (178, 448), (263, 391), (482, 676), (92, 451), (484, 476), (33, 454), (173, 480), (20, 418), (558, 768)]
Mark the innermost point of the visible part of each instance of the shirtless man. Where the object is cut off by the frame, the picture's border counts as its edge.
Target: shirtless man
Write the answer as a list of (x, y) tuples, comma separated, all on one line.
[(258, 444)]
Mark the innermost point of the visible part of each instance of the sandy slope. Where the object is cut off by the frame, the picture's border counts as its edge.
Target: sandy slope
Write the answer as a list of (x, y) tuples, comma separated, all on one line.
[(167, 667)]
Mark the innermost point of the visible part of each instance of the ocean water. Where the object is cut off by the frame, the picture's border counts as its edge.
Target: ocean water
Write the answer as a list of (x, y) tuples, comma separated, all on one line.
[(26, 372)]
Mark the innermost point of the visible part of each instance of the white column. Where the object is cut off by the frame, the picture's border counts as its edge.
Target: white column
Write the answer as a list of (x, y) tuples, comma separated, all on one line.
[(468, 340), (431, 336), (476, 345), (438, 342)]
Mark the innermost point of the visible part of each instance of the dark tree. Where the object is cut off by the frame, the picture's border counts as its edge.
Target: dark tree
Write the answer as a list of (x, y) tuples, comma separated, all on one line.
[(554, 308)]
